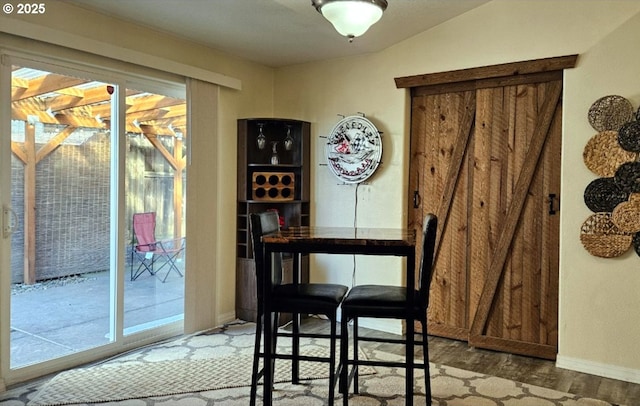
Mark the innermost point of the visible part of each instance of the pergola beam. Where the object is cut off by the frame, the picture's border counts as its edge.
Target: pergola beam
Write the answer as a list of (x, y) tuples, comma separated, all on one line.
[(54, 143), (43, 85)]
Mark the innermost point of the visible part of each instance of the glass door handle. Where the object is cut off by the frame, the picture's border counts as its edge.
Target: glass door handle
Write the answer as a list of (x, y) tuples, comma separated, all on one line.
[(9, 221)]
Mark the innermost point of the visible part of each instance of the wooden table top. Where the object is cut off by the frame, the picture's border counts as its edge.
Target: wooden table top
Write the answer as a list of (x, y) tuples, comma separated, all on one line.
[(386, 237)]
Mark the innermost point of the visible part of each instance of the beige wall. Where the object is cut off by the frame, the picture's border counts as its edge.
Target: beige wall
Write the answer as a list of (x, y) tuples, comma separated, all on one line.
[(599, 298), (599, 321), (597, 332)]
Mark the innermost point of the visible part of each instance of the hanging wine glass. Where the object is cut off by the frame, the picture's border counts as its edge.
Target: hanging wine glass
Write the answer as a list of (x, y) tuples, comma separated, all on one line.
[(288, 141), (262, 140)]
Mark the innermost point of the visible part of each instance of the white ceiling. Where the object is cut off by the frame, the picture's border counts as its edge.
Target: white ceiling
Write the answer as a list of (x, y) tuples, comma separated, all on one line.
[(278, 32)]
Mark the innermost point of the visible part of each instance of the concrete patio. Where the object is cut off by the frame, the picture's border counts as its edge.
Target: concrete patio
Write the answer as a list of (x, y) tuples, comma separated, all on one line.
[(56, 318)]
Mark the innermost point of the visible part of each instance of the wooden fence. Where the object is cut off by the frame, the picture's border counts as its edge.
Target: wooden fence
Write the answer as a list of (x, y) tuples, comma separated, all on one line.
[(73, 204)]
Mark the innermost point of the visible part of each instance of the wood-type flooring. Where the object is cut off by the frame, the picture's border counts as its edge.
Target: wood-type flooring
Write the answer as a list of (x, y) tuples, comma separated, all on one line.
[(534, 371)]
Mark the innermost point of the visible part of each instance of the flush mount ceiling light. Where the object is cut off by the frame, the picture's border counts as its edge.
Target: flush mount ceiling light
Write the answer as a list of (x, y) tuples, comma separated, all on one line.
[(351, 18)]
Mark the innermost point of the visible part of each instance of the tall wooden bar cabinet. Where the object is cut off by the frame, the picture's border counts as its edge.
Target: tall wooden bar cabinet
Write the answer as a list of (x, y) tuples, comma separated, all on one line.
[(273, 174)]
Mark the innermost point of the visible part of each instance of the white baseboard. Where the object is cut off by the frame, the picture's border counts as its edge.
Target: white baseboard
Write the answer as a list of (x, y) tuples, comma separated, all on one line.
[(599, 369), (387, 325), (392, 326)]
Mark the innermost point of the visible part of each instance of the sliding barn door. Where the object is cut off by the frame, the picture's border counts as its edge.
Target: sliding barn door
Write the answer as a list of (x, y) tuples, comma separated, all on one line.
[(442, 125), (485, 157)]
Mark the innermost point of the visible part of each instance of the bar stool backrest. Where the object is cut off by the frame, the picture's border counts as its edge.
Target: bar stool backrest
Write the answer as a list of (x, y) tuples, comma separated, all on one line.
[(261, 224)]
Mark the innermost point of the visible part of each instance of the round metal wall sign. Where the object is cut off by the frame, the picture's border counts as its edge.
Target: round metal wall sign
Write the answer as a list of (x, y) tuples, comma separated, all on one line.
[(354, 149)]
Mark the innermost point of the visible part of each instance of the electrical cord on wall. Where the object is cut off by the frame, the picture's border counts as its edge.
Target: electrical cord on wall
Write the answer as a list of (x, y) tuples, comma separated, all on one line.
[(355, 226)]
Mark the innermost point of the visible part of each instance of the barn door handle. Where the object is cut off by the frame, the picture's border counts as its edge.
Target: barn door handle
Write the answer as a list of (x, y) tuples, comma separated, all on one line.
[(552, 206), (416, 199)]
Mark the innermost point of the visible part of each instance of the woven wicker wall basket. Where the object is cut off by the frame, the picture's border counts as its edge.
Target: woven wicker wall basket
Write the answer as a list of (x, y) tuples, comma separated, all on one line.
[(603, 155), (603, 195), (626, 216), (627, 177), (629, 136), (602, 238), (610, 113)]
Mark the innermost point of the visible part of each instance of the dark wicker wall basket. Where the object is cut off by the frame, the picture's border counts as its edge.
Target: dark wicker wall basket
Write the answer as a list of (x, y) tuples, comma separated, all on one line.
[(603, 195), (629, 136), (628, 177)]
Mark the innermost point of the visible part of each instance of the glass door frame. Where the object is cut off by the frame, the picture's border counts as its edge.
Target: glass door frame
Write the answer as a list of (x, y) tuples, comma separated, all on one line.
[(119, 342)]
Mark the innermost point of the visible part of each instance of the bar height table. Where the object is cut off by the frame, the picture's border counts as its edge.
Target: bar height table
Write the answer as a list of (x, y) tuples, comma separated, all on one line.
[(337, 240)]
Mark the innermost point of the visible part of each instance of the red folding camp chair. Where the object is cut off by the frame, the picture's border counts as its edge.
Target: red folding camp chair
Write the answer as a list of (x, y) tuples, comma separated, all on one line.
[(149, 250)]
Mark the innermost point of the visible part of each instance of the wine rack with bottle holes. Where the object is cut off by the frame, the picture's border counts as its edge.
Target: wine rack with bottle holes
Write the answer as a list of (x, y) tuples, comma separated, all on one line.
[(273, 186)]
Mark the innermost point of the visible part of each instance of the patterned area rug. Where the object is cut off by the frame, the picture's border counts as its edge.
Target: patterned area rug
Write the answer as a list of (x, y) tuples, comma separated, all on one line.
[(133, 377), (185, 367), (133, 380)]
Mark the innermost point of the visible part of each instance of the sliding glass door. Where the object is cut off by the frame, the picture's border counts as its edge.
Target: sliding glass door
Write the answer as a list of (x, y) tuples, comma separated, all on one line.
[(86, 154), (155, 186), (60, 193)]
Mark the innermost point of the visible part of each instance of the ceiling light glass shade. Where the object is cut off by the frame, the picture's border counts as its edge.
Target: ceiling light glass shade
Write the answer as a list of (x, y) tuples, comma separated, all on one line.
[(351, 18)]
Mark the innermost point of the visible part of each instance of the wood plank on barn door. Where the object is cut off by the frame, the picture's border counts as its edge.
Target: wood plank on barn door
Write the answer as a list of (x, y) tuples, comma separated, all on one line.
[(490, 162), (550, 164)]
